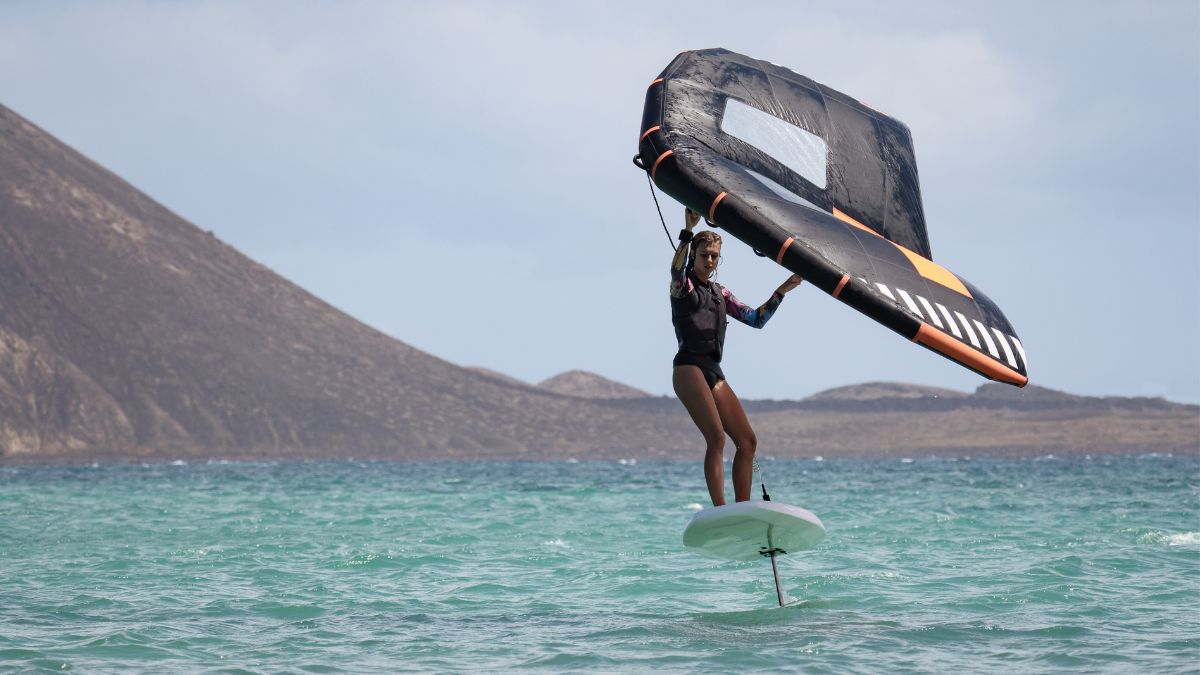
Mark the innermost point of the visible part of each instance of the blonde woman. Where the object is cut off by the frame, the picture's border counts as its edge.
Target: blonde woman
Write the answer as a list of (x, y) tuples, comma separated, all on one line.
[(699, 311)]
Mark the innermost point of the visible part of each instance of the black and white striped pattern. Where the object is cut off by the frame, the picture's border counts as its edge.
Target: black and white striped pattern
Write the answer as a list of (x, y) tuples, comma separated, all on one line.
[(1002, 347)]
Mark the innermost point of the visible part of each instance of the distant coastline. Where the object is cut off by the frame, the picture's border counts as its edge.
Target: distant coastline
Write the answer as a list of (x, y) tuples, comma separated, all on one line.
[(880, 419)]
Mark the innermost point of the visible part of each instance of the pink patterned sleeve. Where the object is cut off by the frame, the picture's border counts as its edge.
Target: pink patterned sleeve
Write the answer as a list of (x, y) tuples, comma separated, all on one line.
[(755, 318)]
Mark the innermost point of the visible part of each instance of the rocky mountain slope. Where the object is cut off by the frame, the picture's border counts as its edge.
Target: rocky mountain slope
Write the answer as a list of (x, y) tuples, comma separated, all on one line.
[(125, 330)]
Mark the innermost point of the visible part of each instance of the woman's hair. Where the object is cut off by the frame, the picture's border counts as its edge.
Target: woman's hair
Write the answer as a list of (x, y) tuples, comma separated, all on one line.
[(702, 239)]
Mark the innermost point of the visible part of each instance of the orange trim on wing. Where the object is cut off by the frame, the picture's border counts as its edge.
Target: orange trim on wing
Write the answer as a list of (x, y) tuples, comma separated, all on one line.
[(846, 218), (944, 344), (841, 284), (924, 266), (783, 249), (655, 82), (712, 210), (933, 271), (658, 161), (648, 132)]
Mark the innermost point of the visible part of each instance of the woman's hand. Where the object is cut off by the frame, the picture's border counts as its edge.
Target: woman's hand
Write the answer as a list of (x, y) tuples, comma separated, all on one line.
[(690, 219), (792, 282)]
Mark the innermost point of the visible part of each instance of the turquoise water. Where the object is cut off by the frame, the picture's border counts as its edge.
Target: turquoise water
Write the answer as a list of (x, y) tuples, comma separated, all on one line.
[(930, 565)]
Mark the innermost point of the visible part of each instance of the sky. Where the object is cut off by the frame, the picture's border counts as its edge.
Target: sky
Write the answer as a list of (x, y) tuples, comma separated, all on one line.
[(458, 175)]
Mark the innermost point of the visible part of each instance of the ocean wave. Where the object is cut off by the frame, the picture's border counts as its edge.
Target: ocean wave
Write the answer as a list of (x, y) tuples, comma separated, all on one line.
[(1189, 539)]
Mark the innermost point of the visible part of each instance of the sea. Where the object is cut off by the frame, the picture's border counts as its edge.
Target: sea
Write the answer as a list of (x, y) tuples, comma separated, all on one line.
[(930, 565)]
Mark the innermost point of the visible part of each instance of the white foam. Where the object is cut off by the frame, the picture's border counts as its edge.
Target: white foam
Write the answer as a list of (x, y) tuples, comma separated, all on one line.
[(1183, 539), (1176, 539)]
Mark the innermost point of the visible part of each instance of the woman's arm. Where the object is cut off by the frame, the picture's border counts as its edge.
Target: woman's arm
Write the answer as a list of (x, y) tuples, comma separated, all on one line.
[(757, 318), (680, 284)]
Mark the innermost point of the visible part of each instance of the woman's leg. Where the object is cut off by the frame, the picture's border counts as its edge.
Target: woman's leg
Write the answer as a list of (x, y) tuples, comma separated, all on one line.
[(693, 391), (733, 419)]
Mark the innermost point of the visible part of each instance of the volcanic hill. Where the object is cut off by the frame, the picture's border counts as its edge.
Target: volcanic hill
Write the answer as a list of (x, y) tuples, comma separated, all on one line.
[(127, 331)]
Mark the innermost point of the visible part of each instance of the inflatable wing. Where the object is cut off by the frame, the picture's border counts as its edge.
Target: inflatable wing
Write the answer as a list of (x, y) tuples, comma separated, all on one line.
[(824, 185)]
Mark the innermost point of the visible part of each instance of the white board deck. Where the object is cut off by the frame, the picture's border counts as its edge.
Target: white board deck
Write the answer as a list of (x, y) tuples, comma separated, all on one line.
[(750, 530)]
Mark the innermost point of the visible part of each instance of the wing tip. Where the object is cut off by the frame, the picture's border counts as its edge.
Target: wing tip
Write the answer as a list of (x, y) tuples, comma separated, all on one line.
[(938, 341)]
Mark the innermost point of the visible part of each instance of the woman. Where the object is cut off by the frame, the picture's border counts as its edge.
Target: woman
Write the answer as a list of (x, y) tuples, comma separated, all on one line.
[(699, 307)]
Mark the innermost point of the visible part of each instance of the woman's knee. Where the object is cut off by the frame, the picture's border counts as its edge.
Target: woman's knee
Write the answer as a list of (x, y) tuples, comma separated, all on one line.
[(747, 444), (714, 441)]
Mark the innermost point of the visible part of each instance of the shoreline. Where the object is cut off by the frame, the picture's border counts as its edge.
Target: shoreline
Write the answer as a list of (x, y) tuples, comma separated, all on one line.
[(627, 460)]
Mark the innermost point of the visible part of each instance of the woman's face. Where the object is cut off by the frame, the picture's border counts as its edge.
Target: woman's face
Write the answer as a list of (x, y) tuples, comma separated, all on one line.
[(706, 259)]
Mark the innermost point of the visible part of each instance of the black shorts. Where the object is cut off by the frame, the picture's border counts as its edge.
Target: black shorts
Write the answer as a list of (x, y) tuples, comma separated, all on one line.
[(710, 368)]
